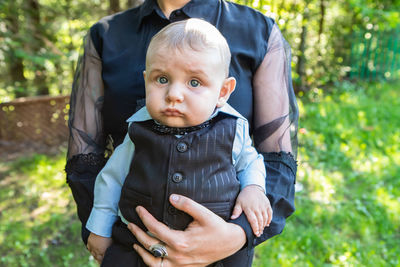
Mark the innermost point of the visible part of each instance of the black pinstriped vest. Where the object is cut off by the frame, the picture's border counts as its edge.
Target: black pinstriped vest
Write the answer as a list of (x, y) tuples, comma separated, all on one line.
[(197, 165)]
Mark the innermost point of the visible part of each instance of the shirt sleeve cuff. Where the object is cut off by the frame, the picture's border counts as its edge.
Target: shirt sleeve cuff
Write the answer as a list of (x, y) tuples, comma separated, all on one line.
[(100, 223), (252, 178)]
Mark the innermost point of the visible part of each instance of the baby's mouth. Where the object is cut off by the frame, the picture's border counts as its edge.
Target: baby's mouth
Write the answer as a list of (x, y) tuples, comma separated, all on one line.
[(172, 112)]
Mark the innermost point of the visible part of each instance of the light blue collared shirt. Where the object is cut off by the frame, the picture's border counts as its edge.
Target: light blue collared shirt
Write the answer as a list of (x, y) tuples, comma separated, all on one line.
[(249, 166)]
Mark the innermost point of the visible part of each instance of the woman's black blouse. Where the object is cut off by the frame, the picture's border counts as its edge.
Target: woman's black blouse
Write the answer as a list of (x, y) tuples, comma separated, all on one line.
[(109, 87)]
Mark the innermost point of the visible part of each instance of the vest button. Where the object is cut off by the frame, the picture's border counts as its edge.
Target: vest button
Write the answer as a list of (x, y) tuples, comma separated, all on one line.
[(171, 210), (182, 147), (177, 177)]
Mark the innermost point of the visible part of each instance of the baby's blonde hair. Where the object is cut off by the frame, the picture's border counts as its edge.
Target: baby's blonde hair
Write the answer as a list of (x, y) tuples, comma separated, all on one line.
[(195, 34)]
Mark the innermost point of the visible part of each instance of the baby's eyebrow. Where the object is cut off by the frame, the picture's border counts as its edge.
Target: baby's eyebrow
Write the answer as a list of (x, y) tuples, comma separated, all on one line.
[(158, 70), (195, 71)]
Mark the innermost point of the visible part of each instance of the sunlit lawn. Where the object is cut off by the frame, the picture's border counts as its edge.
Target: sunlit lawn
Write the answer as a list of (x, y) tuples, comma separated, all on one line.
[(348, 211), (348, 203)]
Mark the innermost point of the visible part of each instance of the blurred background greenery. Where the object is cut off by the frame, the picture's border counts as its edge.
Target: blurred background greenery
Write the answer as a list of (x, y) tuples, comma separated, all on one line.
[(346, 73)]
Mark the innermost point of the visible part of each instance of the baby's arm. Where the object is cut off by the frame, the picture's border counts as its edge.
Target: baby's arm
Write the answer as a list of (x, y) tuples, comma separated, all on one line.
[(255, 204), (251, 173), (107, 193)]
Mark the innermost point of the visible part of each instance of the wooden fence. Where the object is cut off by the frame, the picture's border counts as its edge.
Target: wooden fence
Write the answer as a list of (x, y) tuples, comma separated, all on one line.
[(41, 119)]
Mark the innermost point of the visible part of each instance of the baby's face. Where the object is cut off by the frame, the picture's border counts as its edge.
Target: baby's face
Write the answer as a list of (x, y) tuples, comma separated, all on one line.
[(183, 87)]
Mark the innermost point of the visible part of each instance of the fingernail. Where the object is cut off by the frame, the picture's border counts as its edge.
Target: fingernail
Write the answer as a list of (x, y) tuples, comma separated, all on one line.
[(135, 247), (174, 198)]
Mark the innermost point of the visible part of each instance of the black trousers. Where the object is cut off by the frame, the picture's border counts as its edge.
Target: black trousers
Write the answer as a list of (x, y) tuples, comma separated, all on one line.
[(122, 254)]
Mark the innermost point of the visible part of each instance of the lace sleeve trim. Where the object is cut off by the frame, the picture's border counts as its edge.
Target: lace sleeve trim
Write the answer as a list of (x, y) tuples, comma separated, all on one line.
[(282, 157), (92, 162)]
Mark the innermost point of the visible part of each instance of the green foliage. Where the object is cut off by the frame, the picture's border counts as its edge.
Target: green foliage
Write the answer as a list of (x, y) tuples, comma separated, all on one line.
[(330, 27), (48, 50), (349, 158)]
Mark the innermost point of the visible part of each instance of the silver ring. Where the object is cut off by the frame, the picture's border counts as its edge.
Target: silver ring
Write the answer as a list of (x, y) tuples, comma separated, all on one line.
[(158, 250)]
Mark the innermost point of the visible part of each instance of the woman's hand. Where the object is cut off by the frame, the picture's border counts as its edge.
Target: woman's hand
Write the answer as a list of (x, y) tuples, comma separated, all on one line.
[(206, 240)]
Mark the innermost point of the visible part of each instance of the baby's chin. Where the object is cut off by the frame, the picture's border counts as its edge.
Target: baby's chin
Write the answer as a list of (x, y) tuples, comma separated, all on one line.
[(178, 125), (178, 122)]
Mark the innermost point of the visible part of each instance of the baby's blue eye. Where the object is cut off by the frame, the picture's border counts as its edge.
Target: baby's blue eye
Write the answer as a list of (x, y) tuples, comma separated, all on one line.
[(194, 83), (162, 80)]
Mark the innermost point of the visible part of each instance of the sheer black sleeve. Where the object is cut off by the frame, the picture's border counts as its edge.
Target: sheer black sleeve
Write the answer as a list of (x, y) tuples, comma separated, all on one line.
[(275, 134), (85, 156), (85, 120)]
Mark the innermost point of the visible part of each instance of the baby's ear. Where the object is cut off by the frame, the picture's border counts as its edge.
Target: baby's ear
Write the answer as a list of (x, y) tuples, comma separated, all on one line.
[(227, 88)]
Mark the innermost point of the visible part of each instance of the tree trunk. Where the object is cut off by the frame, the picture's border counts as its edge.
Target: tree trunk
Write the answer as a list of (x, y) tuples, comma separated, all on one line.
[(67, 13), (321, 19), (37, 45), (114, 7), (15, 62), (302, 49), (16, 68)]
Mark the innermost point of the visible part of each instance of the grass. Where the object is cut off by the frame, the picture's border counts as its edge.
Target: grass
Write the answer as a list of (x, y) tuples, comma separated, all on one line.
[(348, 204), (348, 199), (38, 225)]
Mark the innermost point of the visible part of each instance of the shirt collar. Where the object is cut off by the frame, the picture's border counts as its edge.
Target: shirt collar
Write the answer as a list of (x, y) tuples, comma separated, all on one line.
[(143, 114), (194, 9), (202, 9), (147, 8)]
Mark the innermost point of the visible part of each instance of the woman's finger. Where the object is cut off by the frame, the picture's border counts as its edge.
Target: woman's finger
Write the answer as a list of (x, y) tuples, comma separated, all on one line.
[(199, 213), (158, 229), (145, 239), (148, 258)]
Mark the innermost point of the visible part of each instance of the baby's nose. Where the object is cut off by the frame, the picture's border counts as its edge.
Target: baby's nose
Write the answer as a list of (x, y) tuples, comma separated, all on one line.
[(175, 93)]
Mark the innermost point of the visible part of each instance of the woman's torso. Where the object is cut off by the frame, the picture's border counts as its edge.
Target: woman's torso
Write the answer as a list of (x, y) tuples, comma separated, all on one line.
[(121, 41)]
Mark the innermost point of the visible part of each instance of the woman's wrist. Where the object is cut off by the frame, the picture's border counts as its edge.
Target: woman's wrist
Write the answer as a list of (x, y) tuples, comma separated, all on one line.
[(245, 229), (238, 235)]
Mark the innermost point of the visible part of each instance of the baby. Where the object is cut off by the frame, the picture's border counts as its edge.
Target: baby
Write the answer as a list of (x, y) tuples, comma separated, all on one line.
[(187, 140)]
